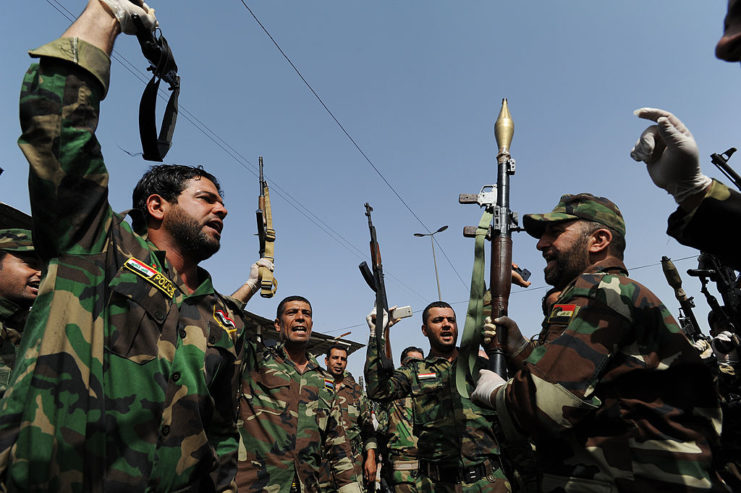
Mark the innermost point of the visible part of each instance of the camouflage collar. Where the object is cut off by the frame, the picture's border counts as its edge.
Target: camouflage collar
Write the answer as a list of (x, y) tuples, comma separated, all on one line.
[(8, 309), (313, 363), (608, 266)]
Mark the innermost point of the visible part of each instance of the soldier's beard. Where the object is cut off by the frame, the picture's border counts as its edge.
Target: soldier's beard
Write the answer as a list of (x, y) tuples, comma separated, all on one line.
[(189, 235), (568, 264)]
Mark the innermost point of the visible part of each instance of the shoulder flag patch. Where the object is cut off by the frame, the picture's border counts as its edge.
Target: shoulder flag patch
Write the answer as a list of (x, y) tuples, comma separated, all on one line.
[(426, 376), (223, 319), (151, 275), (562, 314)]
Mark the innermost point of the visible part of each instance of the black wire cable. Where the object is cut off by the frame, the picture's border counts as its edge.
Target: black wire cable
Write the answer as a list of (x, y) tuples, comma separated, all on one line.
[(351, 139)]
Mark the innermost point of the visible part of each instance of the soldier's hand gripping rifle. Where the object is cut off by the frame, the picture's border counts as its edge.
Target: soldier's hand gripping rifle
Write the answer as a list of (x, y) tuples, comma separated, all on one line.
[(266, 233), (374, 278), (155, 48), (688, 322)]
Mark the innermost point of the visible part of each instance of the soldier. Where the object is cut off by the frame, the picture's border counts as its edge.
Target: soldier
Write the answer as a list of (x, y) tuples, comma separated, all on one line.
[(20, 275), (396, 430), (619, 401), (127, 372), (457, 448), (357, 421), (289, 419)]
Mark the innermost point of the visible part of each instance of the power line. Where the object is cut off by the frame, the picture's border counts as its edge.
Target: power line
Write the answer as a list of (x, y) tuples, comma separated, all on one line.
[(350, 138)]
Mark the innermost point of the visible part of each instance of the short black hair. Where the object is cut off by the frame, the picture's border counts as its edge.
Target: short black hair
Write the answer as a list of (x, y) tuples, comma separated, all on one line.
[(3, 253), (337, 346), (434, 304), (168, 181), (282, 304), (410, 349)]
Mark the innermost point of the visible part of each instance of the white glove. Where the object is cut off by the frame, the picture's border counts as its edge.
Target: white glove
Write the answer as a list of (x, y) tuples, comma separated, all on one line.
[(254, 280), (487, 383), (123, 10), (515, 340), (670, 154), (371, 320)]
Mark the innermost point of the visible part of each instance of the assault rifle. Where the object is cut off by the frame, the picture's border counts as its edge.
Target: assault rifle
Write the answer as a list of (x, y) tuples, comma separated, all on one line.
[(375, 280), (266, 233), (687, 319)]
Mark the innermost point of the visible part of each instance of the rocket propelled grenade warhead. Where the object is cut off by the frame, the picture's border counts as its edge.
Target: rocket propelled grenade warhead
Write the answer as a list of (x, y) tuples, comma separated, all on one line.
[(504, 129)]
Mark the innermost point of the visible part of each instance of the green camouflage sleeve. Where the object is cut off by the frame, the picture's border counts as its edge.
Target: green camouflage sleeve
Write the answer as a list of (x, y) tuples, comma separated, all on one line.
[(367, 430), (68, 180), (713, 226), (385, 385), (338, 451)]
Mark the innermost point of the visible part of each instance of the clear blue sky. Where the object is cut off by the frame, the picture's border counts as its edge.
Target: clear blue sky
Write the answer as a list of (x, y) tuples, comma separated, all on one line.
[(418, 85)]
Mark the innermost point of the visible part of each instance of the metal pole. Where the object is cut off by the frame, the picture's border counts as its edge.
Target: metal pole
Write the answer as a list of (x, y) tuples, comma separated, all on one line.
[(434, 261)]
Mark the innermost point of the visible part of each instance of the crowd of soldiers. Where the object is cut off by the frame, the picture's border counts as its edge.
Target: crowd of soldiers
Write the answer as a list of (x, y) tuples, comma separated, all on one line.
[(124, 369)]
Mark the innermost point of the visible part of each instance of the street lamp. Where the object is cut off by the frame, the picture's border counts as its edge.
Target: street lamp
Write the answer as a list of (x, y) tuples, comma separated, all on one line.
[(434, 260)]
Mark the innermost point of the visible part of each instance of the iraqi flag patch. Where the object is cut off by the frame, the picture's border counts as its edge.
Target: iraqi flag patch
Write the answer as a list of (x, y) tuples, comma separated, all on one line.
[(562, 314), (151, 275), (223, 319)]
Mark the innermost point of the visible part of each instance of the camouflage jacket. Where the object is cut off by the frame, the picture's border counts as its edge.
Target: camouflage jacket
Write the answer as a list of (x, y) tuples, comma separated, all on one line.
[(289, 421), (396, 429), (713, 226), (357, 419), (12, 318), (123, 380), (619, 401), (452, 430)]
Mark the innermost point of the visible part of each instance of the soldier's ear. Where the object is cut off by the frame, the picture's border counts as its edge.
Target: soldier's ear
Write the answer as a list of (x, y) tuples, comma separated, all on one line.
[(276, 323), (157, 206), (424, 330), (600, 240)]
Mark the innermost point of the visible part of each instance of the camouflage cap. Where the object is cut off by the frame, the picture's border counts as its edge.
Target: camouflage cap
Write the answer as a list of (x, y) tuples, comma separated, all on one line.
[(16, 240), (580, 206)]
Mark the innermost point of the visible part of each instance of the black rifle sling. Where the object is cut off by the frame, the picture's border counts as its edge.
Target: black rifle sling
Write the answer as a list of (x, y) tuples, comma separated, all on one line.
[(155, 147)]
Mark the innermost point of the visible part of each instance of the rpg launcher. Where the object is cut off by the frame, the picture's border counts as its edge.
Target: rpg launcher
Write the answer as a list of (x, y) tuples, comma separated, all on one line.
[(495, 201), (374, 278), (155, 48), (266, 234)]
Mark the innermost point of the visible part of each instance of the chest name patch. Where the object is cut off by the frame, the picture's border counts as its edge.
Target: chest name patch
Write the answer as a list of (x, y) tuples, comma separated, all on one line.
[(562, 314), (152, 276), (426, 376)]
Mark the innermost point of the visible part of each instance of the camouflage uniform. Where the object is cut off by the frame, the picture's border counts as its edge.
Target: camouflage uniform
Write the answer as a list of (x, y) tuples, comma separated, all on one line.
[(356, 420), (714, 226), (124, 381), (396, 429), (288, 421), (457, 447), (613, 395), (12, 316)]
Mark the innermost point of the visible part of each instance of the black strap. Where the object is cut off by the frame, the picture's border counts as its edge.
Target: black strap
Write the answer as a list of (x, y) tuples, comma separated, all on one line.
[(155, 147), (163, 67)]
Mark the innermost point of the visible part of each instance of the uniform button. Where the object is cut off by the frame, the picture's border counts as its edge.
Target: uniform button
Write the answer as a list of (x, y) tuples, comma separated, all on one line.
[(165, 430), (212, 339), (182, 333), (158, 315), (176, 376)]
